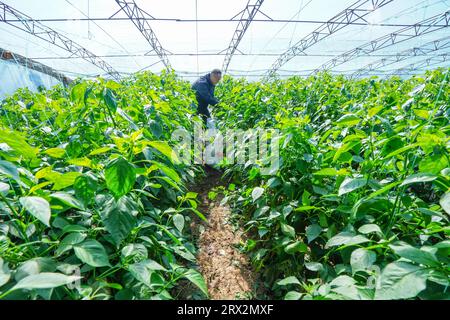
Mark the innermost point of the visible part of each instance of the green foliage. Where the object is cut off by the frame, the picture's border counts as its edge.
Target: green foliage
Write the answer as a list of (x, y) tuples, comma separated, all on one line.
[(93, 205), (360, 206)]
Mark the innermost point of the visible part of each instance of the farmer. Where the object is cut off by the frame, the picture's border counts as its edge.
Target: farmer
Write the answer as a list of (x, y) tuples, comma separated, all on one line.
[(204, 92)]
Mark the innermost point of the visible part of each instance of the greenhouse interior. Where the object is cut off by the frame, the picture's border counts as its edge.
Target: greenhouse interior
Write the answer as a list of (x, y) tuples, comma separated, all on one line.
[(224, 150)]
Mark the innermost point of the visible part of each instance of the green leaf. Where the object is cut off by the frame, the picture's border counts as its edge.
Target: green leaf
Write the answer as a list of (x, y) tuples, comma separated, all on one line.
[(172, 174), (305, 208), (433, 164), (140, 272), (4, 188), (401, 150), (445, 244), (135, 250), (17, 142), (67, 199), (191, 195), (153, 265), (155, 128), (92, 252), (165, 149), (34, 266), (73, 238), (9, 169), (293, 295), (345, 238), (117, 218), (362, 259), (343, 150), (445, 202), (57, 153), (110, 99), (143, 270), (401, 280), (196, 278), (382, 190), (73, 228), (64, 180), (407, 251), (351, 184), (178, 221), (68, 242), (348, 120), (370, 228), (288, 230), (297, 246), (85, 188), (331, 172), (257, 192), (313, 266), (120, 176), (288, 281), (183, 252), (345, 287), (313, 231), (99, 151), (77, 92), (5, 273), (419, 177), (38, 207), (44, 280)]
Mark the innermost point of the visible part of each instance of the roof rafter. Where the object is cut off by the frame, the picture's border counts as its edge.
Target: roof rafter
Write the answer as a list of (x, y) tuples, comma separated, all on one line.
[(433, 24), (139, 19), (27, 24), (244, 22), (422, 50), (355, 12), (440, 58)]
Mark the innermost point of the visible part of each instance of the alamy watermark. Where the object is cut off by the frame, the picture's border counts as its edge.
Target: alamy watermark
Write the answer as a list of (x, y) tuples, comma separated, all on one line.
[(253, 146)]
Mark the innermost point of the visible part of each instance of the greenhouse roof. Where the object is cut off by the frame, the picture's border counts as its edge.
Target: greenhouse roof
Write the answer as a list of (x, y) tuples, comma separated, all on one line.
[(254, 38)]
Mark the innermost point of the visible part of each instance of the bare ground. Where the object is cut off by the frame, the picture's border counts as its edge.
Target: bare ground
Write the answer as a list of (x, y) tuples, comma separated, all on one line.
[(227, 271)]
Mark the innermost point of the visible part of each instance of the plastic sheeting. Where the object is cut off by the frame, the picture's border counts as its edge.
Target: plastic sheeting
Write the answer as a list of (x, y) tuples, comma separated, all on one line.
[(194, 48), (14, 76)]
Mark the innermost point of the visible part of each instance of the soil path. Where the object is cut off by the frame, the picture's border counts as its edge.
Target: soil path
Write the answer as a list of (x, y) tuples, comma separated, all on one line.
[(227, 271)]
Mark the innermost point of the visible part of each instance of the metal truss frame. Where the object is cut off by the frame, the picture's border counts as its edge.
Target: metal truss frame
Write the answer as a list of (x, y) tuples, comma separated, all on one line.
[(422, 50), (353, 15), (355, 12), (406, 70), (247, 16), (45, 33), (433, 24), (139, 19)]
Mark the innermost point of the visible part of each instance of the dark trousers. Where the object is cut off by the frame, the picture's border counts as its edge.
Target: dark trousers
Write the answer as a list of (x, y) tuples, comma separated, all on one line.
[(204, 117)]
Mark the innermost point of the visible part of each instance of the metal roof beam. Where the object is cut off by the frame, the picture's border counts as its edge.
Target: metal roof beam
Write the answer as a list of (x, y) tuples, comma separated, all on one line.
[(421, 64), (423, 50), (433, 24), (140, 19), (45, 33), (348, 16), (244, 22)]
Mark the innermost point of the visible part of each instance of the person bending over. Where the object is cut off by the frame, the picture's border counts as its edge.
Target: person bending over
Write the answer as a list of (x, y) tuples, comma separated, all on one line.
[(204, 92)]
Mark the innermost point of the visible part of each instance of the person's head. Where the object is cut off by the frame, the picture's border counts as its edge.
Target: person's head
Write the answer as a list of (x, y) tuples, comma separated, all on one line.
[(215, 76)]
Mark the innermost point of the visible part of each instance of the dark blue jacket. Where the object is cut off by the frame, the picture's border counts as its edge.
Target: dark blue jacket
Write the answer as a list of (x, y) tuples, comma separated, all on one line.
[(204, 92)]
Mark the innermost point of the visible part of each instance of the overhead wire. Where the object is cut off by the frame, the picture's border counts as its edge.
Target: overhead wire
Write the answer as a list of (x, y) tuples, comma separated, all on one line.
[(108, 34), (278, 32), (423, 5)]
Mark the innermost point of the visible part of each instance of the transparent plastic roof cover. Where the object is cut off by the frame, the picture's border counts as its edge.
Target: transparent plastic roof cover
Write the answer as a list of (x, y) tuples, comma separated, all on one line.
[(195, 35)]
